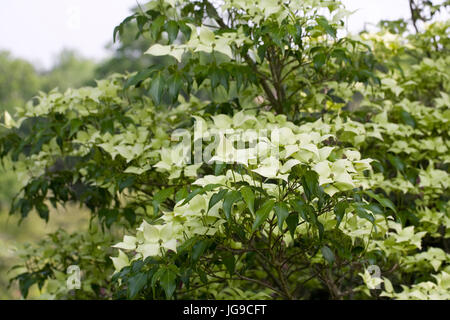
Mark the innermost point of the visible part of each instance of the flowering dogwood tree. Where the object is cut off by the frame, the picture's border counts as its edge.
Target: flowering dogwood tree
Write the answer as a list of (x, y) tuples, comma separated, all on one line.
[(267, 157)]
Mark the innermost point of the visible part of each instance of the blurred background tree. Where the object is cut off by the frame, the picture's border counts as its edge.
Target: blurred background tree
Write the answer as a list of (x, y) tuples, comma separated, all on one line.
[(19, 81), (425, 10), (70, 70)]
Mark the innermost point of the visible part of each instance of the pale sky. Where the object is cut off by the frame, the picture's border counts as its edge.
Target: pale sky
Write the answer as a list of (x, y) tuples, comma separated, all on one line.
[(38, 30)]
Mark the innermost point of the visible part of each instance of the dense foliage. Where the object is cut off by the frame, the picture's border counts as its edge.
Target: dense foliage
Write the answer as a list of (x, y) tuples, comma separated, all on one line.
[(265, 156)]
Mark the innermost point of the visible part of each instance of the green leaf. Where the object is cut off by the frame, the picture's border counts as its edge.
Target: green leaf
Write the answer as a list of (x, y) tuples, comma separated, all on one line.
[(202, 276), (317, 223), (126, 183), (137, 79), (299, 206), (43, 211), (119, 28), (319, 60), (340, 54), (135, 284), (229, 261), (156, 88), (362, 212), (407, 118), (160, 197), (26, 280), (292, 223), (156, 276), (211, 187), (262, 214), (218, 168), (186, 277), (310, 182), (75, 124), (385, 202), (172, 30), (308, 213), (216, 198), (323, 22), (34, 186), (198, 191), (167, 281), (249, 198), (375, 208), (175, 83), (185, 29), (282, 211), (181, 194), (339, 211), (117, 31), (156, 26), (192, 195), (198, 249), (396, 162), (229, 200), (141, 21), (328, 254)]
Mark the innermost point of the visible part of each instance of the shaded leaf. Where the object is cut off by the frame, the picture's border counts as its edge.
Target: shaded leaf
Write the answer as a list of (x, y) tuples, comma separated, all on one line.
[(292, 223), (229, 200), (263, 213), (249, 198), (216, 198), (167, 281), (328, 254), (282, 211)]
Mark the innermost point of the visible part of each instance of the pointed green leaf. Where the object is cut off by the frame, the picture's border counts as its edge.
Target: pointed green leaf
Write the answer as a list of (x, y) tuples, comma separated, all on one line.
[(262, 214), (181, 194), (156, 88), (43, 211), (249, 198), (396, 162), (229, 261), (167, 281), (408, 119), (292, 223), (310, 182), (319, 60), (172, 30), (323, 22), (385, 202), (192, 195), (282, 211), (219, 168), (339, 211), (216, 198), (175, 84), (229, 200), (363, 213), (135, 284), (328, 254), (160, 197), (155, 27), (198, 249), (137, 79)]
